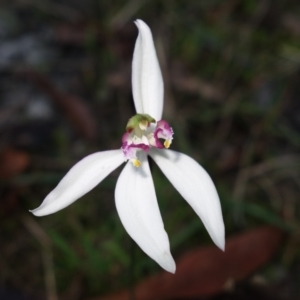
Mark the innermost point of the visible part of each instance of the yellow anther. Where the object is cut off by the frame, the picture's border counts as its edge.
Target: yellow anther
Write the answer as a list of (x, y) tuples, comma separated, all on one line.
[(167, 143), (136, 162)]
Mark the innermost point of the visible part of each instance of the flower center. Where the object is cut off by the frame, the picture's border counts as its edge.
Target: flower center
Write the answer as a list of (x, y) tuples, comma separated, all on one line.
[(142, 133)]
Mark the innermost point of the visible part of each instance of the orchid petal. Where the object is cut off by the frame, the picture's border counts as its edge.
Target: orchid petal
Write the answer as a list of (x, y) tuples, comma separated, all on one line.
[(147, 82), (196, 187), (139, 212), (82, 177)]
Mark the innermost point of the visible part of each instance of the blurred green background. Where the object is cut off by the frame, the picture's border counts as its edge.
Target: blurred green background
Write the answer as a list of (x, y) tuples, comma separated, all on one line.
[(232, 81)]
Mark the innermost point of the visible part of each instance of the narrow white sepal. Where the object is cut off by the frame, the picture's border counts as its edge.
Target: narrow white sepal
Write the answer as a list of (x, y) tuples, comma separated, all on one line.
[(139, 212), (196, 187), (81, 178), (147, 81)]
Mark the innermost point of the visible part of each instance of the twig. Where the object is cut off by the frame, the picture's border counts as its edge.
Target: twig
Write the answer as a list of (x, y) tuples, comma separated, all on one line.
[(126, 13), (287, 161), (270, 188), (55, 9), (40, 235)]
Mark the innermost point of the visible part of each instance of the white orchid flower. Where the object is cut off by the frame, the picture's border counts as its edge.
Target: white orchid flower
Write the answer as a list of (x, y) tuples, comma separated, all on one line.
[(135, 194)]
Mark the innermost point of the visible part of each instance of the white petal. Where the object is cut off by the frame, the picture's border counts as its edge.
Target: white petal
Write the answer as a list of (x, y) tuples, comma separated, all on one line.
[(82, 177), (147, 82), (196, 187), (139, 212)]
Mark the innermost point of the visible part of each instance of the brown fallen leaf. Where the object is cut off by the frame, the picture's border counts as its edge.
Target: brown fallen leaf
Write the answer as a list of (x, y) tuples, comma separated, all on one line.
[(74, 108), (206, 271), (12, 162)]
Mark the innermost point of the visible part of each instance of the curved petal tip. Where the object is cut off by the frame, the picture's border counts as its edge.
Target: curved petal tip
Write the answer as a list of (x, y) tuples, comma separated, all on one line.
[(37, 212), (220, 242), (147, 81), (196, 187), (139, 213), (81, 178), (169, 263)]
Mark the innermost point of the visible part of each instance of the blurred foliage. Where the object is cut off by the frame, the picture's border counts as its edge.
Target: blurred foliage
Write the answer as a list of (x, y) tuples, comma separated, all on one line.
[(231, 70)]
